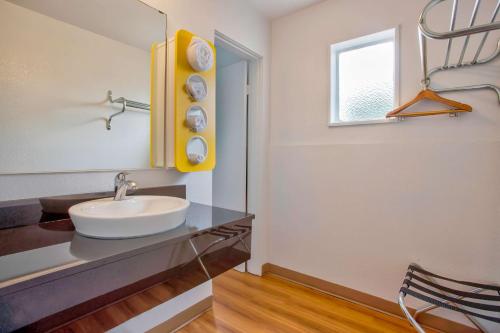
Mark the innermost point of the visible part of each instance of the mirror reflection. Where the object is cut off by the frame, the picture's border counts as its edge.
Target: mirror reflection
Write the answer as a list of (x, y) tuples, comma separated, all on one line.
[(81, 85)]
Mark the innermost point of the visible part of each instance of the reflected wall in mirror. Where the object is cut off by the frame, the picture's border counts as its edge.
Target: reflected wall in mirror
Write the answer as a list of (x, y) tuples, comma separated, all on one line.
[(58, 60)]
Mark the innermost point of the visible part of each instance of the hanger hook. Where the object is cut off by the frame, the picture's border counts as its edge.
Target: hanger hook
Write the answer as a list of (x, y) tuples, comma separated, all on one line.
[(425, 83)]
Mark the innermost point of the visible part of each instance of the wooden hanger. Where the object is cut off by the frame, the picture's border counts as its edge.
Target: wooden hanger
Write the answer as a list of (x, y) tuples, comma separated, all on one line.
[(430, 95)]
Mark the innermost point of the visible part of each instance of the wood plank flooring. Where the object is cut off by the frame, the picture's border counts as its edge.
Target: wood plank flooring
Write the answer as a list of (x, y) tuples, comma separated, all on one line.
[(244, 303)]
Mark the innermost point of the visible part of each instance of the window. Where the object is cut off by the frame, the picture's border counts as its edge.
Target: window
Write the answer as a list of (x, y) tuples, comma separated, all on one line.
[(364, 79)]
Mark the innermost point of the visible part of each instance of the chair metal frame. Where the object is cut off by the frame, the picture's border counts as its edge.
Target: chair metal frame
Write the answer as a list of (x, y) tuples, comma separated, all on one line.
[(413, 318)]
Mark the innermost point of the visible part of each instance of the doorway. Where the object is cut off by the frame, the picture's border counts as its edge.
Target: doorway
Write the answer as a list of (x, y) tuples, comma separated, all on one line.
[(230, 176)]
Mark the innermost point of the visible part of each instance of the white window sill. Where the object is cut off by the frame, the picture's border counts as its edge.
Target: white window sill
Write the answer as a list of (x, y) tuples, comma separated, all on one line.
[(363, 122)]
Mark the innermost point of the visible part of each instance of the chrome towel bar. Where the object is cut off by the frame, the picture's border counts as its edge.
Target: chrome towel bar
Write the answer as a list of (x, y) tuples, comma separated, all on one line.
[(125, 103)]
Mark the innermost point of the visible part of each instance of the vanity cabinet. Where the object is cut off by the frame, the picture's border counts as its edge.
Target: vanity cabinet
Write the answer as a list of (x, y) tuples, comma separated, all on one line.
[(63, 276)]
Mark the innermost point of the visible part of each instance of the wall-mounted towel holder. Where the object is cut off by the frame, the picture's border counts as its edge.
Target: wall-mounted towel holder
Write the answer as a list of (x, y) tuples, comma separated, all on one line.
[(425, 32), (125, 103)]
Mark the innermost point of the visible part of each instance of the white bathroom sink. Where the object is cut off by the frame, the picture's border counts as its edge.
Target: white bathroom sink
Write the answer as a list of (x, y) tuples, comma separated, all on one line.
[(135, 216)]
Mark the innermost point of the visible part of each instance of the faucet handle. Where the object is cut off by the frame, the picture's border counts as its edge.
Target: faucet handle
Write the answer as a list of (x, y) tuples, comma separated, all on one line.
[(120, 178), (132, 186)]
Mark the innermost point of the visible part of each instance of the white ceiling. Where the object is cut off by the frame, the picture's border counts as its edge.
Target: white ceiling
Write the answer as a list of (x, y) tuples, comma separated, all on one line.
[(276, 8), (128, 21)]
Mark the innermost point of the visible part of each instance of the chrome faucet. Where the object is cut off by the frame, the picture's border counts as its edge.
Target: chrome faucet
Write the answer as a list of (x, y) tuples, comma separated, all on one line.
[(122, 185)]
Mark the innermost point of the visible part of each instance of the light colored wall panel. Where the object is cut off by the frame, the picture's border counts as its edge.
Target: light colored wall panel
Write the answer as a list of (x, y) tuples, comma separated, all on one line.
[(355, 205)]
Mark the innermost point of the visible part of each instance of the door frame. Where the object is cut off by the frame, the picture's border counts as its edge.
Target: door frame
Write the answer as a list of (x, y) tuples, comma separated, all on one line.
[(256, 147)]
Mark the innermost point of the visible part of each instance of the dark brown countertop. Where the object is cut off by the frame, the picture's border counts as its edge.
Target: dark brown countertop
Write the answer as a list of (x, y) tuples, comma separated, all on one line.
[(35, 254)]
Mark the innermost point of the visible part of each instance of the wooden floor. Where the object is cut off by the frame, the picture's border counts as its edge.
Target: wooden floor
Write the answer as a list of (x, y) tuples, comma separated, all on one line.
[(251, 304)]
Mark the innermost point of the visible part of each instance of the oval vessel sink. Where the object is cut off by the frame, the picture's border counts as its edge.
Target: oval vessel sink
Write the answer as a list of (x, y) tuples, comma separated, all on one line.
[(136, 216)]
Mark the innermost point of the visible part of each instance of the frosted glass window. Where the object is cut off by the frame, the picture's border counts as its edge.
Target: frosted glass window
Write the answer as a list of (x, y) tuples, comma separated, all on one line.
[(363, 79)]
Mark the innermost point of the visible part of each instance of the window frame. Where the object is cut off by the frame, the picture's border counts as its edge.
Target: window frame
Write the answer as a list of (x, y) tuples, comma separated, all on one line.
[(353, 44)]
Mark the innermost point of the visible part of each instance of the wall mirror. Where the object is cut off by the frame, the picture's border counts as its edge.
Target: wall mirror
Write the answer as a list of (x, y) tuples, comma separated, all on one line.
[(59, 61)]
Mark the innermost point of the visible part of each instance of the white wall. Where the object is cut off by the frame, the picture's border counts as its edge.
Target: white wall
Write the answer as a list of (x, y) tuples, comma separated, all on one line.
[(355, 205)]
